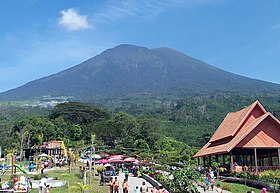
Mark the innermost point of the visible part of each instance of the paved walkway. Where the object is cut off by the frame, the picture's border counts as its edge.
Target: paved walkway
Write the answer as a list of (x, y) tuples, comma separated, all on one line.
[(133, 182), (200, 189)]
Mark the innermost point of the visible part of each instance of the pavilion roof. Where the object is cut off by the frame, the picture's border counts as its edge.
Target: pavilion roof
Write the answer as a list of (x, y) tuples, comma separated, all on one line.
[(233, 121), (237, 126)]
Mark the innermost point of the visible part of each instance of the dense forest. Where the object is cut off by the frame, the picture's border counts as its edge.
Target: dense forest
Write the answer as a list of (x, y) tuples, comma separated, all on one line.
[(168, 128)]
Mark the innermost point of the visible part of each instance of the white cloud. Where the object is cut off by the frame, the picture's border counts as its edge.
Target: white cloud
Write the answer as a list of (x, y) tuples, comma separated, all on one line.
[(73, 21)]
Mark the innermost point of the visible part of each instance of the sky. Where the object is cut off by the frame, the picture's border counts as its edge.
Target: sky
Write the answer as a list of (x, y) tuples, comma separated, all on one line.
[(42, 37)]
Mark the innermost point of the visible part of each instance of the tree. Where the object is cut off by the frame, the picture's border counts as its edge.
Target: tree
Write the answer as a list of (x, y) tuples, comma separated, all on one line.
[(75, 132), (184, 181)]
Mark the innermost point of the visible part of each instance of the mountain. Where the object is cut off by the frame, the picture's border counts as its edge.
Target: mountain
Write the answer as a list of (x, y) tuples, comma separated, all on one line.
[(127, 70)]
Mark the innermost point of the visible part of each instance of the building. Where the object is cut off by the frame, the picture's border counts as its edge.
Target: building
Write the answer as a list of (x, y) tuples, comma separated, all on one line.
[(249, 137), (50, 148)]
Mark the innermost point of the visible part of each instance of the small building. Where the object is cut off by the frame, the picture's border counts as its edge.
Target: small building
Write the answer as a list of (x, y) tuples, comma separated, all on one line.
[(54, 148), (50, 148), (249, 137)]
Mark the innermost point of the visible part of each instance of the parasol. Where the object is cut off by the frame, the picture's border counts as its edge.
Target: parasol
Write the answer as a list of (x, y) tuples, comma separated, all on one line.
[(102, 161)]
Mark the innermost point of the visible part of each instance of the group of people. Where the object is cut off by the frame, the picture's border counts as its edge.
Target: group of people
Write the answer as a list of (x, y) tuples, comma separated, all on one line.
[(115, 186)]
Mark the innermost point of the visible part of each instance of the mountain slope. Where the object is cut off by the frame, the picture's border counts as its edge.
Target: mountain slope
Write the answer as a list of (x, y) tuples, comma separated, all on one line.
[(126, 69)]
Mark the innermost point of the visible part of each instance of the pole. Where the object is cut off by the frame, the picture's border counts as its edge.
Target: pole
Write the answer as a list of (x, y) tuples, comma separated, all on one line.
[(279, 156), (94, 162), (90, 166), (85, 175), (256, 159)]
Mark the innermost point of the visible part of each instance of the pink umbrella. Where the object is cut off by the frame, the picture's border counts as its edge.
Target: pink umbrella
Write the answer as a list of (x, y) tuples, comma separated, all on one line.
[(103, 154), (102, 161), (115, 160), (116, 157), (130, 159)]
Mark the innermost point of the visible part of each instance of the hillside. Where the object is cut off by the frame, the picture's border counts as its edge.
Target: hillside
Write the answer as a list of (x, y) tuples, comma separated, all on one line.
[(132, 71)]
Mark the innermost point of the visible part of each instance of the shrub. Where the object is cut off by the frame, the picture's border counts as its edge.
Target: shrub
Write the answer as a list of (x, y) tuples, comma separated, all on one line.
[(226, 186)]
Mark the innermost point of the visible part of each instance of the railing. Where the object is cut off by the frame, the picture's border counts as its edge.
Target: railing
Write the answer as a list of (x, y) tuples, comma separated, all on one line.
[(253, 169)]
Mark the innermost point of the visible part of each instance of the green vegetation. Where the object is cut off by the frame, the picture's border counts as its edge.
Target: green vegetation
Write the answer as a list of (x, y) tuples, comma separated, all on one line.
[(236, 188), (168, 131), (183, 181), (74, 183)]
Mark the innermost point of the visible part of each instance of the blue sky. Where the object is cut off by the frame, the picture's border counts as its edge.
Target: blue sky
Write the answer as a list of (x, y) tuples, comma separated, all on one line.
[(42, 37)]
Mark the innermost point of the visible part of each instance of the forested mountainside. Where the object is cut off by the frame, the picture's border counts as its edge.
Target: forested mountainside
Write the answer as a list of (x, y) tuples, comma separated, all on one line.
[(137, 73), (192, 120)]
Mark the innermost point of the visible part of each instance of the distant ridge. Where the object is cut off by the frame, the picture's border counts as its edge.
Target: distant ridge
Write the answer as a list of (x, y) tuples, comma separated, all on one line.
[(128, 69)]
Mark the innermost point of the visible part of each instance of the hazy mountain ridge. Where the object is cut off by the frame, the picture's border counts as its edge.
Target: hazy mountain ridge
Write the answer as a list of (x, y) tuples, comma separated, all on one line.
[(126, 69)]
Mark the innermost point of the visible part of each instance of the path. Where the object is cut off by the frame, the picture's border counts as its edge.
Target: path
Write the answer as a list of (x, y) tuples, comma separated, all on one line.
[(133, 182), (200, 189)]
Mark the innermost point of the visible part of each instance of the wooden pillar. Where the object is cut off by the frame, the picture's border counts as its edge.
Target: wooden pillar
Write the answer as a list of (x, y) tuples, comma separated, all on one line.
[(217, 158), (198, 161), (278, 156), (269, 158), (231, 162), (209, 161), (203, 161), (256, 159), (246, 157), (224, 162)]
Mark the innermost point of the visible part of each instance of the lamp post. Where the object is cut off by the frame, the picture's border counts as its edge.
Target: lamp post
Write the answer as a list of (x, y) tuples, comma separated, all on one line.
[(92, 148)]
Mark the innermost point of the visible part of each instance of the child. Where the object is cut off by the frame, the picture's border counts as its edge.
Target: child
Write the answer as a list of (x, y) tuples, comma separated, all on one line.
[(137, 190), (48, 189)]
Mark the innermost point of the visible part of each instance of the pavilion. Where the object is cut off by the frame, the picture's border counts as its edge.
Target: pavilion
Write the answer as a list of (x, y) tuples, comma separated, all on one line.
[(50, 148), (249, 137)]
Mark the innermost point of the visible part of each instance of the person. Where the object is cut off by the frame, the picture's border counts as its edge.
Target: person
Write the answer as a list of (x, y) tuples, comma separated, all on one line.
[(143, 188), (101, 182), (136, 190), (116, 185), (126, 173), (42, 167), (125, 186), (211, 178), (219, 189), (264, 190), (160, 189), (43, 184), (48, 189), (111, 185), (60, 163), (251, 191), (154, 190)]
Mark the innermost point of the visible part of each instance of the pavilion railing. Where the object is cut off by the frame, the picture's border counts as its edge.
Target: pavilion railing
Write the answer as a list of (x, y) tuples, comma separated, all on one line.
[(253, 169)]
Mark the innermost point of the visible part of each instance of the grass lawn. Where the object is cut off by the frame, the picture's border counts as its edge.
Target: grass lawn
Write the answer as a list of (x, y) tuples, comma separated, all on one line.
[(72, 180), (236, 188)]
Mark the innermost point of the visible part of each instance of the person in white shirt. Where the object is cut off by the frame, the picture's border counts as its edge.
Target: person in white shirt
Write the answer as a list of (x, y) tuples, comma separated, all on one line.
[(43, 184)]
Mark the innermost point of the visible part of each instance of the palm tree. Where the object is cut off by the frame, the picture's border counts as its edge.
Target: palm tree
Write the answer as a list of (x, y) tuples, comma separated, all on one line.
[(80, 187)]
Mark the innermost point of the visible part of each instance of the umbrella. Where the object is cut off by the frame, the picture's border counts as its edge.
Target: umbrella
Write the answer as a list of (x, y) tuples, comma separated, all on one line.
[(103, 154), (137, 162), (130, 159), (43, 155), (116, 157), (107, 165), (96, 156), (113, 160), (102, 161)]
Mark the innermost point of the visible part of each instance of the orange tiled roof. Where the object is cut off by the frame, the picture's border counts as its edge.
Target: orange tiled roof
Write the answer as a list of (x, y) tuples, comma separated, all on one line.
[(239, 124), (226, 145), (233, 121)]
